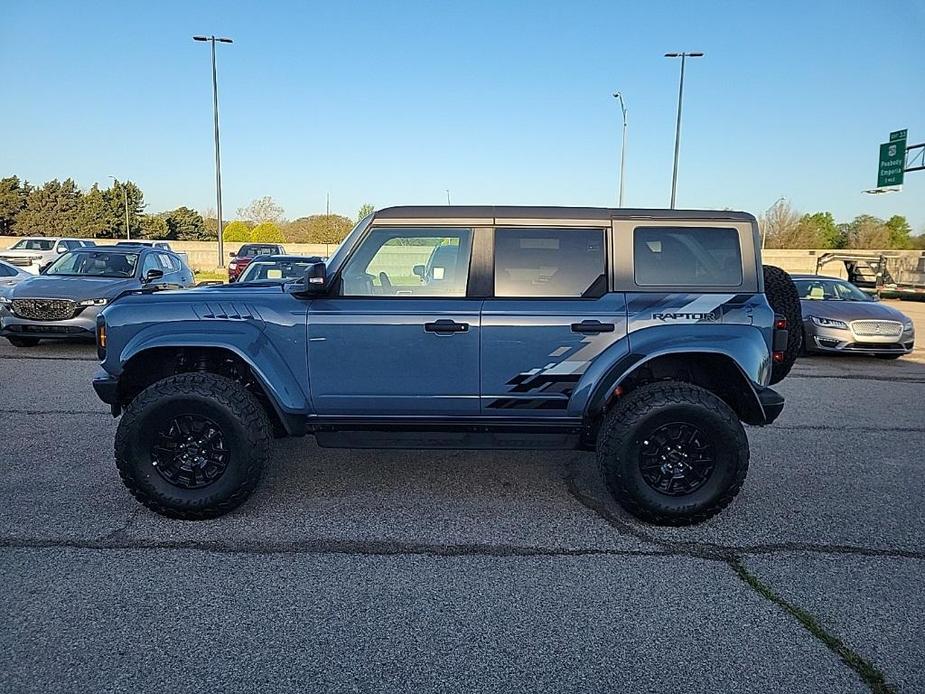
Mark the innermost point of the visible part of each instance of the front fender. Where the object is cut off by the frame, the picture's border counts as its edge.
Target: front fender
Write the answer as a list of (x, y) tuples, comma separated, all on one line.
[(744, 345)]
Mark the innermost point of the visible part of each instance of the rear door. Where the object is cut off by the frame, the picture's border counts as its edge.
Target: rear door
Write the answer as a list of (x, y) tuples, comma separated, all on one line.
[(398, 336), (551, 315)]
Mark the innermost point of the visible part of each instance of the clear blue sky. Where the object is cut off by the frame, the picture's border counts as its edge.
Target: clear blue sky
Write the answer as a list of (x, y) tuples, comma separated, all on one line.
[(501, 102)]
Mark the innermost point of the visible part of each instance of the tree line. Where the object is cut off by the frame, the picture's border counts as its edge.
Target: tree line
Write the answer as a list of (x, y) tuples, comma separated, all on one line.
[(61, 208), (783, 227)]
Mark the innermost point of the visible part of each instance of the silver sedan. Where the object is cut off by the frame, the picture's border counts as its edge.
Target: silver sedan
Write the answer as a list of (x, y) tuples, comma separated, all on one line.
[(839, 317)]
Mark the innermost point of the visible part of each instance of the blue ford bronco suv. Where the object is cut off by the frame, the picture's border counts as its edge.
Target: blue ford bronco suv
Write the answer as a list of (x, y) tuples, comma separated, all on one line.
[(648, 336)]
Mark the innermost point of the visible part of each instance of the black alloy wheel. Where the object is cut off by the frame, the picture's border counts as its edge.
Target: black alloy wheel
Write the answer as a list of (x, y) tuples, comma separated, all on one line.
[(190, 452), (676, 458)]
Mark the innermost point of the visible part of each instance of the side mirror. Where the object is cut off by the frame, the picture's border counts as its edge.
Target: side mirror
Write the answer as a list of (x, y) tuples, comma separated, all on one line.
[(418, 270), (231, 254), (153, 276), (44, 267), (316, 277), (59, 250)]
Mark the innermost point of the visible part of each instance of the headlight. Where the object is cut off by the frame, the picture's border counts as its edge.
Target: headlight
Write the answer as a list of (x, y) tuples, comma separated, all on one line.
[(906, 326), (93, 302), (232, 266), (829, 322), (4, 301)]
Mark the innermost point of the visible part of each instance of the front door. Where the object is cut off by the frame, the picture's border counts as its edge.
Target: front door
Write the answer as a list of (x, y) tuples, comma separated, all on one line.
[(398, 335), (550, 317)]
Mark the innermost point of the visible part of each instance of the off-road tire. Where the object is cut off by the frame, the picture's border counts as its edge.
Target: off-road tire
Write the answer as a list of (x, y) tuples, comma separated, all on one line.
[(244, 424), (784, 300), (641, 412), (23, 341)]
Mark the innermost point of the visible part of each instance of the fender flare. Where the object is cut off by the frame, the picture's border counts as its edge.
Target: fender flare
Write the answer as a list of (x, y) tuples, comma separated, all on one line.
[(274, 375), (742, 345)]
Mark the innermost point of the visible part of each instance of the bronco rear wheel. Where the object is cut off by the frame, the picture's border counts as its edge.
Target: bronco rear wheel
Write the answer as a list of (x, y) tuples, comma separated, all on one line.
[(784, 300), (672, 453), (193, 446)]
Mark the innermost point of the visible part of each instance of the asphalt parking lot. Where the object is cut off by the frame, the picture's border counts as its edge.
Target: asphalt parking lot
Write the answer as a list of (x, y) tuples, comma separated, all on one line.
[(468, 571)]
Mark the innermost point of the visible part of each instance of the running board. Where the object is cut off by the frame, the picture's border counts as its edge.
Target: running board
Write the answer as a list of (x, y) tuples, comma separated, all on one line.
[(429, 433)]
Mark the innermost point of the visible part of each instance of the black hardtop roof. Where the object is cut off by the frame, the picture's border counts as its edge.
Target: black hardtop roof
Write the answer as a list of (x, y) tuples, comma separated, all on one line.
[(501, 212)]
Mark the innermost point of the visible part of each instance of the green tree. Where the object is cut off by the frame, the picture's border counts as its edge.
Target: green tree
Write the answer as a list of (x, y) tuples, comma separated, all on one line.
[(365, 209), (13, 196), (236, 232), (115, 201), (266, 232), (184, 224), (95, 218), (153, 227), (51, 210), (900, 231), (817, 231), (917, 242), (319, 228), (262, 210)]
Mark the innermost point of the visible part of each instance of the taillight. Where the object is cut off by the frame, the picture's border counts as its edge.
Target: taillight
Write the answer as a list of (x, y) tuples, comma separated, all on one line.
[(778, 357), (780, 323)]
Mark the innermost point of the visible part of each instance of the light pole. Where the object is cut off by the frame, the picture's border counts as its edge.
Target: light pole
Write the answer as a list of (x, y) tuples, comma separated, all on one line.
[(677, 132), (218, 156), (619, 95), (128, 233)]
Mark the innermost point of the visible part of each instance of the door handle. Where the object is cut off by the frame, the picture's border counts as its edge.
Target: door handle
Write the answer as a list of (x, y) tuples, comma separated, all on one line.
[(592, 326), (446, 327)]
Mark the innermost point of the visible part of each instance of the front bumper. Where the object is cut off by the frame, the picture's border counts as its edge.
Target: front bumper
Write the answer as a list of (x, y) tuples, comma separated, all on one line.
[(827, 339), (81, 326)]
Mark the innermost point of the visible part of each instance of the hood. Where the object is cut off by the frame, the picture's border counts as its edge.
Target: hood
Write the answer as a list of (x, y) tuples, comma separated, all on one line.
[(851, 310), (76, 288)]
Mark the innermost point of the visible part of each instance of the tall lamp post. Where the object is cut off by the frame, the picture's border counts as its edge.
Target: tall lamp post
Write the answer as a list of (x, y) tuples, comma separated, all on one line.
[(218, 156), (619, 95), (128, 233), (677, 132)]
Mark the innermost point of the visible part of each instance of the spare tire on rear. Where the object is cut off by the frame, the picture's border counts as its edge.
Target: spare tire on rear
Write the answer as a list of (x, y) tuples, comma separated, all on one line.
[(785, 300)]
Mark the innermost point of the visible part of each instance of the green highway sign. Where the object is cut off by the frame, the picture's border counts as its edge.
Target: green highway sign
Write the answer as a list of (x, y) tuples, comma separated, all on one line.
[(892, 160)]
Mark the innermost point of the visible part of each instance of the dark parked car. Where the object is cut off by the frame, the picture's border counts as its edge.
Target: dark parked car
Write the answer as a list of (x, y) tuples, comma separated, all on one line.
[(247, 253), (64, 301), (278, 267), (839, 317)]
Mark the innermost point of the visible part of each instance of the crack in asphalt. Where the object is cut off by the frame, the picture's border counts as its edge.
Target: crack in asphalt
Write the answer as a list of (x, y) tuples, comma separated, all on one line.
[(732, 556), (326, 546), (865, 669), (39, 412)]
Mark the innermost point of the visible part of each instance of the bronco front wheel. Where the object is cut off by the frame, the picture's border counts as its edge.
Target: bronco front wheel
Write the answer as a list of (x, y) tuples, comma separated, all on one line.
[(673, 453), (193, 446)]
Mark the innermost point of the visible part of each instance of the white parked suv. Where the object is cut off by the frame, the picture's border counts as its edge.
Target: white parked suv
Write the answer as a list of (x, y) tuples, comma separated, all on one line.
[(33, 252)]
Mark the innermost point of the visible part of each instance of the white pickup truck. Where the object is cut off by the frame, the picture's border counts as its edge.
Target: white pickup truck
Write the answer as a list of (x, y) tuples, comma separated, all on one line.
[(33, 252)]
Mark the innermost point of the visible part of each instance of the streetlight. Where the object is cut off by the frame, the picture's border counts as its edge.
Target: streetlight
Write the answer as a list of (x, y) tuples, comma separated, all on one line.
[(677, 133), (128, 233), (619, 95), (218, 157)]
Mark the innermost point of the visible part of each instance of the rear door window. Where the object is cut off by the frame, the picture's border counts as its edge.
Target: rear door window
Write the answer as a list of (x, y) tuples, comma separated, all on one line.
[(552, 263), (687, 256)]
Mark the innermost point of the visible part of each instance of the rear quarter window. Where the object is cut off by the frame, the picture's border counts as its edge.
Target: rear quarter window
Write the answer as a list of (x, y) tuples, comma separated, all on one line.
[(687, 257)]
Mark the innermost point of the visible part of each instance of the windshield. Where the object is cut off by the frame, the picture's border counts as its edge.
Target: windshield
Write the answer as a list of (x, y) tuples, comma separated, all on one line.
[(33, 245), (829, 290), (98, 264), (275, 270), (252, 251)]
